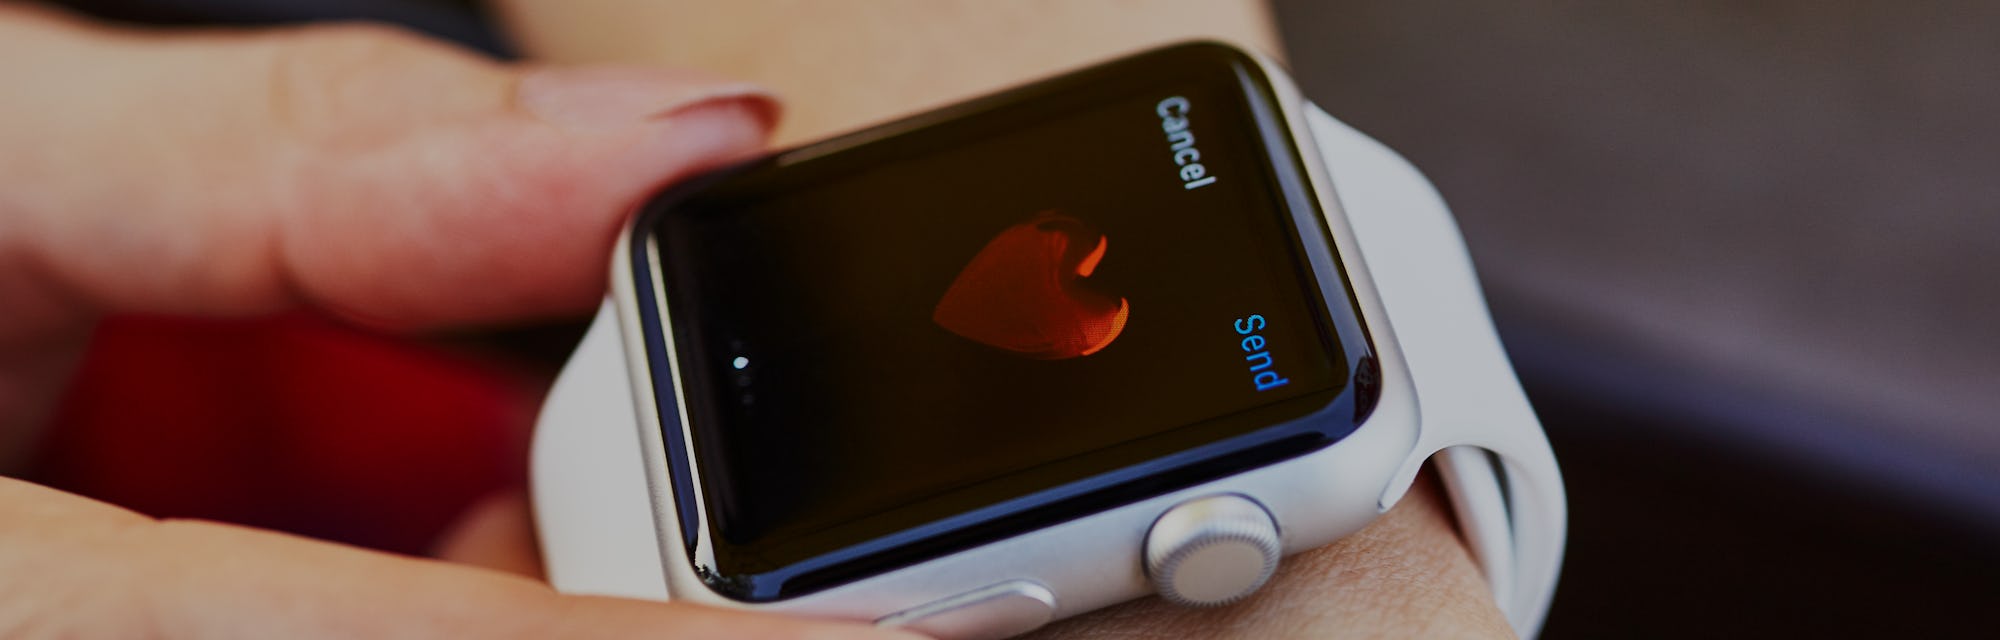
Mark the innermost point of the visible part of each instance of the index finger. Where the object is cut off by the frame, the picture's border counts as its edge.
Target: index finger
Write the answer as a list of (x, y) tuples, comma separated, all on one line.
[(374, 173)]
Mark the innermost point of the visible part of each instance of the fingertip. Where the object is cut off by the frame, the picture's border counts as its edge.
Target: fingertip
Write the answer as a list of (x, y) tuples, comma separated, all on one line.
[(516, 220), (549, 251), (586, 99), (711, 134)]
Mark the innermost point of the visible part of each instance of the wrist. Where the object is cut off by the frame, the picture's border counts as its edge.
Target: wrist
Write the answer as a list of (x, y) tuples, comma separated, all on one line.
[(871, 62), (1408, 574)]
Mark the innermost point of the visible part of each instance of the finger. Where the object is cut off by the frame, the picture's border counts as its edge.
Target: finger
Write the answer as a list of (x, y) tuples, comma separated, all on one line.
[(70, 567), (366, 170), (496, 533)]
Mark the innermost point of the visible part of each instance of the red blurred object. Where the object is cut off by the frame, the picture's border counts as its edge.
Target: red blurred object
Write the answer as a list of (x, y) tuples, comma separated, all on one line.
[(295, 423)]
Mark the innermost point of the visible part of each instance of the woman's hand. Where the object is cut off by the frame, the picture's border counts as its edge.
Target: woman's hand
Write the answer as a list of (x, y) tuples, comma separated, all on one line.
[(389, 179)]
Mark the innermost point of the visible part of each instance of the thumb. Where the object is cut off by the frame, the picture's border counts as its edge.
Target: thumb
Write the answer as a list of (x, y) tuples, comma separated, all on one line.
[(366, 170), (70, 567)]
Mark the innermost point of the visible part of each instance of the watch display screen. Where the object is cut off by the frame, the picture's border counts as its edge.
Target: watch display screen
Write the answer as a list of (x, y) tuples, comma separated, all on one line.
[(955, 328)]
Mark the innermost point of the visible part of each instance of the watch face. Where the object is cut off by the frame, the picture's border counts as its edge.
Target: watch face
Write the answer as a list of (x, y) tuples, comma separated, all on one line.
[(993, 318)]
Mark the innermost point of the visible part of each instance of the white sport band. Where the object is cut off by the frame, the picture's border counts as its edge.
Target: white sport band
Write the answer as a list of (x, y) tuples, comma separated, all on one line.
[(1469, 402), (595, 512)]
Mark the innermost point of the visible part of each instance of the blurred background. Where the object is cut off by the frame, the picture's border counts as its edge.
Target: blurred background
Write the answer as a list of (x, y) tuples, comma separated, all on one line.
[(1743, 253), (1745, 256)]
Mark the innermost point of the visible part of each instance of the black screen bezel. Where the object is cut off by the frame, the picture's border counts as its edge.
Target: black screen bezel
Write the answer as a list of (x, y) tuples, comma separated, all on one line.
[(1343, 412)]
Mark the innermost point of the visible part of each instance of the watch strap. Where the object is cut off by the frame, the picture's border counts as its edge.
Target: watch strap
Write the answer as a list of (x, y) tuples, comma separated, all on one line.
[(1491, 453)]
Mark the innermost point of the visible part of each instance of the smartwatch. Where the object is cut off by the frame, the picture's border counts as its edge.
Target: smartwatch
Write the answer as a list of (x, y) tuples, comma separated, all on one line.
[(1143, 328)]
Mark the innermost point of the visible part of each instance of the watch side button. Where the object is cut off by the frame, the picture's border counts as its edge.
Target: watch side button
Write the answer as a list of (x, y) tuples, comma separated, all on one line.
[(1213, 550), (1003, 610)]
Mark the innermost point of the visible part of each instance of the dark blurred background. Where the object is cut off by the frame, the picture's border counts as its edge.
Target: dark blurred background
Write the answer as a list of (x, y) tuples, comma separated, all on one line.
[(1743, 254)]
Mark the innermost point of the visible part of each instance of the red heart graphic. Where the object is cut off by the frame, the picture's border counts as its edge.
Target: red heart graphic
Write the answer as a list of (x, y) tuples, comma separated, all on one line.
[(1024, 292)]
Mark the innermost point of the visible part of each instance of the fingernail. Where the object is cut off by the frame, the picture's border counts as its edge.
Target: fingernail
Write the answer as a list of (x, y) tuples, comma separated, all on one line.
[(601, 98)]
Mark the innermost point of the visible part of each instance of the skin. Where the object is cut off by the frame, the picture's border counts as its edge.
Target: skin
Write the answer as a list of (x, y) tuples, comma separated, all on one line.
[(848, 64), (1406, 575), (408, 185)]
